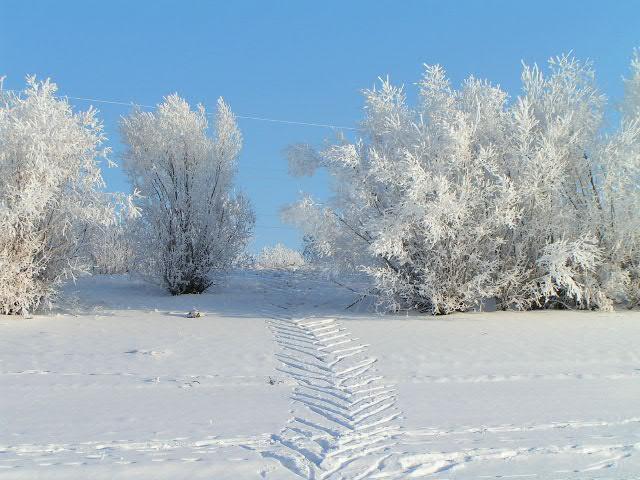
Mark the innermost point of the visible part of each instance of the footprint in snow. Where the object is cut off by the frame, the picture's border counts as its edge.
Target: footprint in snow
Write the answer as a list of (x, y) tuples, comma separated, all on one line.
[(153, 353)]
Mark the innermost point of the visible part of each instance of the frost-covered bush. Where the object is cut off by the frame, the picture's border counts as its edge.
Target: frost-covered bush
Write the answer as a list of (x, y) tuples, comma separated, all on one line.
[(280, 257), (421, 202), (467, 197), (568, 273), (619, 157), (50, 194), (112, 247), (193, 225), (579, 192)]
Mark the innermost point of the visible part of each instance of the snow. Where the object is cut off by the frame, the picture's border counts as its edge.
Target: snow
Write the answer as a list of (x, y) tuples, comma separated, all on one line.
[(278, 381)]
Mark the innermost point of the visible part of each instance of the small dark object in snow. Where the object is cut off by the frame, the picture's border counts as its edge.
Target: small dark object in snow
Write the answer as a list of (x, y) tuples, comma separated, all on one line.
[(273, 381), (195, 314)]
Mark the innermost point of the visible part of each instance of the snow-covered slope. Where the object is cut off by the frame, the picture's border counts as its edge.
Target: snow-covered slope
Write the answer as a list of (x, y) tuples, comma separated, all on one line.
[(278, 381)]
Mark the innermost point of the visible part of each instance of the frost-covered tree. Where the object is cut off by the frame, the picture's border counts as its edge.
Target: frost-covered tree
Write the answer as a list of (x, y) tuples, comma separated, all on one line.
[(279, 257), (552, 131), (630, 105), (619, 157), (468, 197), (419, 200), (576, 240), (192, 223), (51, 197), (112, 247)]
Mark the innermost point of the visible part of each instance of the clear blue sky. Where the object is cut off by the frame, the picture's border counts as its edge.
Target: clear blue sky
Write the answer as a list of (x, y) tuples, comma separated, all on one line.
[(294, 60)]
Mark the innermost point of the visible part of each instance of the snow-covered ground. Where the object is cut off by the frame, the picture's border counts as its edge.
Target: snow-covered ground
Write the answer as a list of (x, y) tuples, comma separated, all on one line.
[(278, 381)]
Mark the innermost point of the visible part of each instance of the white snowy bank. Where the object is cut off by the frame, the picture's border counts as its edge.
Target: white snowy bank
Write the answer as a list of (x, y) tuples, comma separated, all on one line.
[(278, 381)]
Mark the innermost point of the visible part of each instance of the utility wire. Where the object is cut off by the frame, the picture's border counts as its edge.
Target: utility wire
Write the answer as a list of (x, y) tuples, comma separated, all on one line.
[(244, 117)]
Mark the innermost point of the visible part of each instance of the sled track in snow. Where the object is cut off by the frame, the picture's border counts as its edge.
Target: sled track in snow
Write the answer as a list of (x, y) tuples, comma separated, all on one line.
[(344, 422)]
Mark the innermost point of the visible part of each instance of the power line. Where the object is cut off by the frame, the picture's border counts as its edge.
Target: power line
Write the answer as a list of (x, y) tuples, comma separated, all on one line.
[(244, 117)]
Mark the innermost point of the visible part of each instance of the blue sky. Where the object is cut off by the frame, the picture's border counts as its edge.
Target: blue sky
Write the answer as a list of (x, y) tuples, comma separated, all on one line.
[(294, 60)]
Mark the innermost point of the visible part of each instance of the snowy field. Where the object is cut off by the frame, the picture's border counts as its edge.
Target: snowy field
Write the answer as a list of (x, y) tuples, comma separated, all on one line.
[(278, 381)]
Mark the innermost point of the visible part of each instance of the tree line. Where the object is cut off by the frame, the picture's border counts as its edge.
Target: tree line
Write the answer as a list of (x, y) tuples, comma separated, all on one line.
[(465, 199)]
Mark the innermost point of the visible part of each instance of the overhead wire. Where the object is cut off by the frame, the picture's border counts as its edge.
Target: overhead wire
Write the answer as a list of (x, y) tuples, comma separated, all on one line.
[(245, 117), (241, 116)]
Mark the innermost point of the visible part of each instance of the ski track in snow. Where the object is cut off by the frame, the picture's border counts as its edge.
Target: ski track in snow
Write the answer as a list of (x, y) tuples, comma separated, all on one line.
[(317, 451), (121, 452), (345, 421), (256, 380)]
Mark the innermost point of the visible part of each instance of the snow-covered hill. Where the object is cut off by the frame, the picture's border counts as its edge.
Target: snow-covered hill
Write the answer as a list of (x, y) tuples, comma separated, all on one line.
[(278, 381)]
